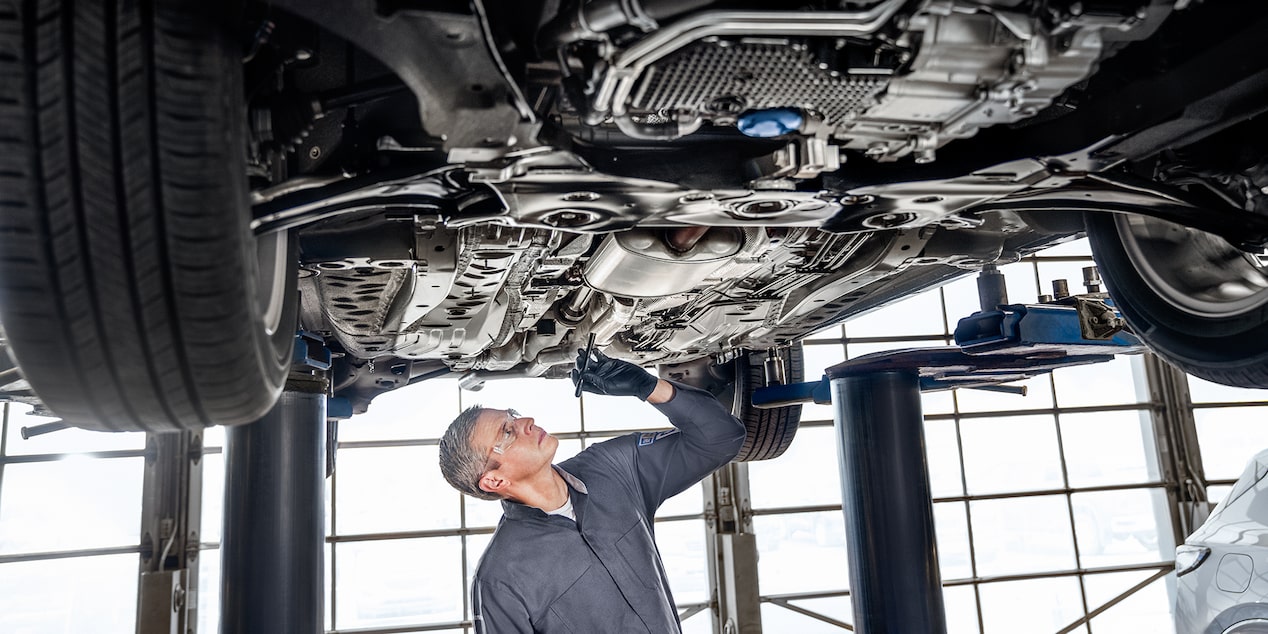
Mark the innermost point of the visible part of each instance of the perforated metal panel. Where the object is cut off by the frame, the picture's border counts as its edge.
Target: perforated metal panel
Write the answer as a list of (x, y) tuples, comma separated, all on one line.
[(721, 78)]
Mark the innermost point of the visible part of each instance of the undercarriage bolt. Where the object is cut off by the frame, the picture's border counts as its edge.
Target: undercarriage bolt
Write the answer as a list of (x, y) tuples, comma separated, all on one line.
[(774, 368), (1092, 279), (991, 290), (889, 220)]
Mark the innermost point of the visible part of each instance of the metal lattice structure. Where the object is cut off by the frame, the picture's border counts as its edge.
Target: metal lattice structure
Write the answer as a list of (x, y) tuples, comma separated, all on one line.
[(721, 77)]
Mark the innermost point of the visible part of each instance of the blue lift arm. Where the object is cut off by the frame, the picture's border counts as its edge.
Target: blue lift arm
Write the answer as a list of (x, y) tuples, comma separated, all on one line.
[(1013, 343)]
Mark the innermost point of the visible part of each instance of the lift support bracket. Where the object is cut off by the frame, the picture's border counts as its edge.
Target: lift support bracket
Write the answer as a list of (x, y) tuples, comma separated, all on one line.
[(895, 582), (1013, 343)]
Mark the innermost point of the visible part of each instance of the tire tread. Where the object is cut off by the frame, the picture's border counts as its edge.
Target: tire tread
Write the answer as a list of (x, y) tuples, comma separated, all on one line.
[(1230, 351), (118, 250), (770, 431)]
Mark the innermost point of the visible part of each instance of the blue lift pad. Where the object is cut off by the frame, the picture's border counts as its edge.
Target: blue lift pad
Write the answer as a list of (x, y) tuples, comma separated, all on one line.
[(310, 352)]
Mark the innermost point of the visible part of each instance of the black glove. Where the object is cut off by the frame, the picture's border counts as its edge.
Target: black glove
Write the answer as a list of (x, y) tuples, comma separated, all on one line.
[(613, 377)]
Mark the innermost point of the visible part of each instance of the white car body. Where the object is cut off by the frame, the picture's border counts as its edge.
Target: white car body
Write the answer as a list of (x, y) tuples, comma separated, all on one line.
[(1222, 584)]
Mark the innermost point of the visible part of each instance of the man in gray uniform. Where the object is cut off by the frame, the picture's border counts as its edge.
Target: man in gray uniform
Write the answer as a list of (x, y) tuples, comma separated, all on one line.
[(574, 551)]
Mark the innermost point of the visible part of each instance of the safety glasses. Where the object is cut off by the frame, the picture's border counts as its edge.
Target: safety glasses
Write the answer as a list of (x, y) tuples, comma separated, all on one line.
[(508, 432)]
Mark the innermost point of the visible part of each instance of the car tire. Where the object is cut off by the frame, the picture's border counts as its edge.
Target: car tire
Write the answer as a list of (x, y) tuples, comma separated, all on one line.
[(132, 292), (769, 432), (1194, 299)]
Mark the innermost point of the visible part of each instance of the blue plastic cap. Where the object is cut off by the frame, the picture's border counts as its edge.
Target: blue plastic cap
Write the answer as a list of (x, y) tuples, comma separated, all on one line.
[(772, 122)]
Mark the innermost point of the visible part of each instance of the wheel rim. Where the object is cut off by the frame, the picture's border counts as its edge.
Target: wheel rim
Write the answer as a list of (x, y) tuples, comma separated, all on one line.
[(271, 253), (1195, 271)]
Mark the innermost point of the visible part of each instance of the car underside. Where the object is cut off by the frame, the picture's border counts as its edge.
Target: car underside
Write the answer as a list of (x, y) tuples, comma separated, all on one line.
[(476, 189)]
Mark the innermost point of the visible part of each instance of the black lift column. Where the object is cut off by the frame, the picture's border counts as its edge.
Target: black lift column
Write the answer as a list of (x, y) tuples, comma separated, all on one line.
[(895, 585), (272, 547)]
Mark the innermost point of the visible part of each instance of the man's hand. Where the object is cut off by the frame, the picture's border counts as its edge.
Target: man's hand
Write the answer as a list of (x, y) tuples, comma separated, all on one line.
[(613, 377)]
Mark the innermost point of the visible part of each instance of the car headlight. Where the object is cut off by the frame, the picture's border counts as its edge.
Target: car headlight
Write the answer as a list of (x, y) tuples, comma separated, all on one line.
[(1188, 558)]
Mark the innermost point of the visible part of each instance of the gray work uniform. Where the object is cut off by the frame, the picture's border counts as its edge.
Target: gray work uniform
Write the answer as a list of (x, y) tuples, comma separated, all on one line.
[(602, 573)]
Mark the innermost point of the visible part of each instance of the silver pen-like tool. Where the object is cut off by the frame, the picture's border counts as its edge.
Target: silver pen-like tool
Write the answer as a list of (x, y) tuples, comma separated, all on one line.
[(585, 362)]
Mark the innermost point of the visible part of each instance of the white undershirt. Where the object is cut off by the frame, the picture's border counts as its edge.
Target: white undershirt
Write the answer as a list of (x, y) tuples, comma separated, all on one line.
[(565, 510)]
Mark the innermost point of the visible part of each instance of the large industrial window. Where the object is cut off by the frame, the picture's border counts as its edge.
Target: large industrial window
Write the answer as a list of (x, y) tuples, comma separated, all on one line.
[(70, 509), (1049, 507), (1051, 510), (1231, 429)]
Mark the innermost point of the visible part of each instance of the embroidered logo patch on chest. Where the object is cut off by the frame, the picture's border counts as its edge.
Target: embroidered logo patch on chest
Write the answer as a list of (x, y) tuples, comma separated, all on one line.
[(649, 437)]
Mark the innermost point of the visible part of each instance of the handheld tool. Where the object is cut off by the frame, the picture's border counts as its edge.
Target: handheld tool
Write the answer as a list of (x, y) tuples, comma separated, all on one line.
[(585, 362)]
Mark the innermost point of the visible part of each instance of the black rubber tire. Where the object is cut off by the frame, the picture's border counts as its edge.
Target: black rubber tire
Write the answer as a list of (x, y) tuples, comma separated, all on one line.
[(769, 431), (131, 290), (1232, 350)]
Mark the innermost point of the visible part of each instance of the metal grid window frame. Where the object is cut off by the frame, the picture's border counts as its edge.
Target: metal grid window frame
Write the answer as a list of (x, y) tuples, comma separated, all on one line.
[(6, 460), (1154, 406), (1160, 568), (76, 557)]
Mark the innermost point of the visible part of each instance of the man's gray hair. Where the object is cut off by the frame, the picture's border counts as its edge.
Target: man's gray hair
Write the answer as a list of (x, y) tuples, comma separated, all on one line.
[(460, 463)]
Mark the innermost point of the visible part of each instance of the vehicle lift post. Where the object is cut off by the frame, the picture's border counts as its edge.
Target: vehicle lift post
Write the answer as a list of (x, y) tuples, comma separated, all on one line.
[(272, 548), (895, 583)]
